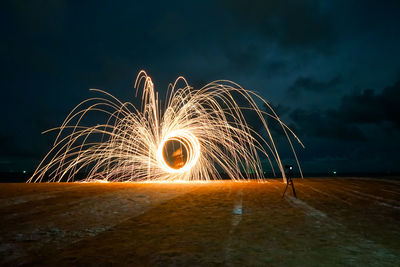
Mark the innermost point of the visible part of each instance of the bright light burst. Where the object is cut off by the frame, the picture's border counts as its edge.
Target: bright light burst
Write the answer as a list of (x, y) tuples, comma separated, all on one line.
[(197, 135)]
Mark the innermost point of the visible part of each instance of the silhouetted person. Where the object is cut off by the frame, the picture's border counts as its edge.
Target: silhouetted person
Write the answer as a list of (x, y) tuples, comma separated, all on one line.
[(289, 180), (179, 162)]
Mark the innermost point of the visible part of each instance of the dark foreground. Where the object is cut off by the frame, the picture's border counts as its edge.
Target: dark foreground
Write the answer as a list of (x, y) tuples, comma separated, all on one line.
[(334, 222)]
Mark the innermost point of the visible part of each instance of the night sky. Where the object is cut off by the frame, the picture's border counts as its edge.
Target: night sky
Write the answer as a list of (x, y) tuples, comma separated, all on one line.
[(331, 68)]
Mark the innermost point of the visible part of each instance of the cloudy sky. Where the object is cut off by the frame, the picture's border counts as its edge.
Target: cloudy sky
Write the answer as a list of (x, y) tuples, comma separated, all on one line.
[(331, 68)]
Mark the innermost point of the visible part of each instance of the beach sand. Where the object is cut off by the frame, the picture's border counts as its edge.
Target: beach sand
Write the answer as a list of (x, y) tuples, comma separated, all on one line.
[(333, 222)]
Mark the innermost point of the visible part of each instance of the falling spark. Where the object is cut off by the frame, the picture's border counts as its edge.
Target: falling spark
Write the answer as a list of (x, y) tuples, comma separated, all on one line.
[(196, 136)]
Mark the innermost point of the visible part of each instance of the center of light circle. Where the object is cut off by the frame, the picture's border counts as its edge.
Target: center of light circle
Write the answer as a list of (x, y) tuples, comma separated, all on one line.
[(175, 153)]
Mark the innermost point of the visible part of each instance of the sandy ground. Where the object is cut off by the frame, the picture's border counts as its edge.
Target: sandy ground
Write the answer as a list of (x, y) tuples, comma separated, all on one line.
[(334, 222)]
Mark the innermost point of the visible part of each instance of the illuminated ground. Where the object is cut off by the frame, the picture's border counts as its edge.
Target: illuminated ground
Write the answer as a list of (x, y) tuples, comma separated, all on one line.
[(334, 222)]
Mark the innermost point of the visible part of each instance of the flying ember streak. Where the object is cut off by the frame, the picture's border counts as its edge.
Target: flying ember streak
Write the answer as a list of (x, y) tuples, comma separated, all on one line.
[(198, 134)]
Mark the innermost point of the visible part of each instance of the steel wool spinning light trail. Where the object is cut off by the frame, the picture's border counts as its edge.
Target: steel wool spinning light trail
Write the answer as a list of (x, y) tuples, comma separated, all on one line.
[(196, 136)]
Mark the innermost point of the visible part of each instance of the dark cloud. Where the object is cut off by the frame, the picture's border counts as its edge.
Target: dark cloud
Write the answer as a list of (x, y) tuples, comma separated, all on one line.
[(298, 24), (246, 57), (275, 66), (325, 124), (352, 115), (371, 107), (312, 85), (247, 33)]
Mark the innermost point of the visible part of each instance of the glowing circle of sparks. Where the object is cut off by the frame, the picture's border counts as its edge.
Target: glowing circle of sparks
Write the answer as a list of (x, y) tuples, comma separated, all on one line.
[(191, 145), (207, 125)]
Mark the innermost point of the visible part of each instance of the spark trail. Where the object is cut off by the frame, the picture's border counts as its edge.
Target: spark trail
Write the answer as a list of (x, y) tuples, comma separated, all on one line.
[(196, 135)]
